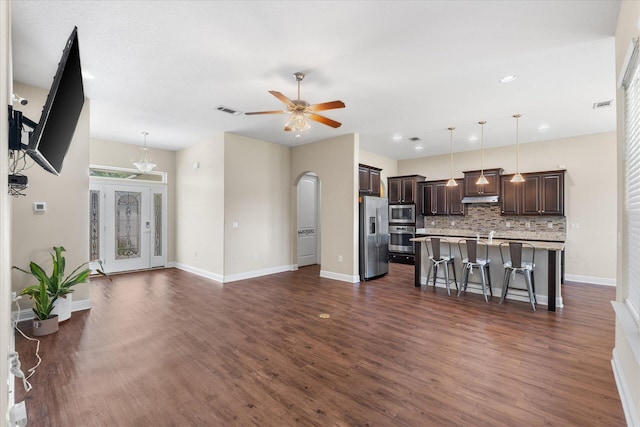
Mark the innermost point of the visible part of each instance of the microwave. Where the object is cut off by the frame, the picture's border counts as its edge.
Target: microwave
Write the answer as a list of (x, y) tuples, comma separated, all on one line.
[(402, 214)]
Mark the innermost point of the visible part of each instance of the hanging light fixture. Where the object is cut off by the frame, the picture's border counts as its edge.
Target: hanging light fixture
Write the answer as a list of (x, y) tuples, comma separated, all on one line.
[(482, 180), (517, 177), (298, 123), (452, 182), (145, 164)]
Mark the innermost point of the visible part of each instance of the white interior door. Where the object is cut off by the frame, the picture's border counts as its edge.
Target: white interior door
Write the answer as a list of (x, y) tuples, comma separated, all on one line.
[(308, 220)]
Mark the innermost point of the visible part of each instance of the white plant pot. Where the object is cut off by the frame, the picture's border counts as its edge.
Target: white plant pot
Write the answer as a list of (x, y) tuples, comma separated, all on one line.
[(62, 307)]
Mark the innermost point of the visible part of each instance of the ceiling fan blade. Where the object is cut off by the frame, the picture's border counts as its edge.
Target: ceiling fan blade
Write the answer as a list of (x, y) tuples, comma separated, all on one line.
[(324, 120), (327, 106), (266, 112), (282, 98)]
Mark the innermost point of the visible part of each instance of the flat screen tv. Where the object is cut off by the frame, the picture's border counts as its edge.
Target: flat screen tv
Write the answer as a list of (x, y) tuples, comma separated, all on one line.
[(50, 140)]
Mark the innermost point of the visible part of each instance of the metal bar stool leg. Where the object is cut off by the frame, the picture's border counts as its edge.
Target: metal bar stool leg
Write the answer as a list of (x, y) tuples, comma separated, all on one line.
[(489, 278), (446, 279), (527, 278), (484, 283), (505, 286), (453, 268)]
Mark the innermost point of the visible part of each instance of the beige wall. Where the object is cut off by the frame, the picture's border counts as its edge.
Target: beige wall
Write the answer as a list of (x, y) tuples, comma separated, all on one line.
[(199, 207), (335, 161), (590, 196), (389, 167), (108, 153), (257, 179), (626, 359), (66, 220)]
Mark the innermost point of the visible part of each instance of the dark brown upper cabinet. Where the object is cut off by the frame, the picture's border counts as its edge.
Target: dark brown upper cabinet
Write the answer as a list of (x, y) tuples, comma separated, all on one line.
[(541, 193), (490, 189), (403, 189), (435, 198), (369, 180)]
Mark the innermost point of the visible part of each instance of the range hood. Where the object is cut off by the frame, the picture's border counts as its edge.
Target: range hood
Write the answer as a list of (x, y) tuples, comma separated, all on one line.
[(481, 199)]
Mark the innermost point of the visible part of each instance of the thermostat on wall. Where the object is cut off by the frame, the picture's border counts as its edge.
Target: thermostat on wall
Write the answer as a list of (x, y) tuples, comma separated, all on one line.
[(39, 206)]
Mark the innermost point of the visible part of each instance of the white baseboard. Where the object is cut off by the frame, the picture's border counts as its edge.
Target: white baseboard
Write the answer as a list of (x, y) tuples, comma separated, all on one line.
[(606, 281), (339, 276), (198, 271), (27, 313), (257, 273)]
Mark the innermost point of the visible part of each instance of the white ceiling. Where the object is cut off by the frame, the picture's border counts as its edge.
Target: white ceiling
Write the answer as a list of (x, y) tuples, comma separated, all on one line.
[(405, 68)]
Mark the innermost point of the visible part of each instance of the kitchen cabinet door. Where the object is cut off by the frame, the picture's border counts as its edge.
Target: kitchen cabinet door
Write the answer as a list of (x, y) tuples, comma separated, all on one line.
[(531, 195), (552, 194), (394, 186), (510, 195), (441, 199), (490, 189), (408, 190), (426, 195), (454, 199), (368, 180), (374, 182)]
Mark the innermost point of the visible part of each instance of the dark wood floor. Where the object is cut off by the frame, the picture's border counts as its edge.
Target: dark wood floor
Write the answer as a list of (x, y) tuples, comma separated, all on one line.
[(167, 348)]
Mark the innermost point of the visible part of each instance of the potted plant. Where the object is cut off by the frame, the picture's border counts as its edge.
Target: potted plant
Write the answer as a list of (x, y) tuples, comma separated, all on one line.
[(45, 323), (58, 287)]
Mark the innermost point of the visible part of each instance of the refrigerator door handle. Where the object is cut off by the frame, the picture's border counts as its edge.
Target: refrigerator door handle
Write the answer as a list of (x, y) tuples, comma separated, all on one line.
[(379, 221)]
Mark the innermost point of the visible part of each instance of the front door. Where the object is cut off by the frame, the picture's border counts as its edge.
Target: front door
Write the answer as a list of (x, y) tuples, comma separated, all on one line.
[(128, 226), (307, 220)]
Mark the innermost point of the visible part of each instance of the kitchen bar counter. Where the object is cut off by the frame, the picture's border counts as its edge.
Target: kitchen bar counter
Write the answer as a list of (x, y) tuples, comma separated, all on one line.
[(550, 263)]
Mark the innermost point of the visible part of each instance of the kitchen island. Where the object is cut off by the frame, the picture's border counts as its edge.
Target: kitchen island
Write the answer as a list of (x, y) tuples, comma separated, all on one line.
[(547, 270)]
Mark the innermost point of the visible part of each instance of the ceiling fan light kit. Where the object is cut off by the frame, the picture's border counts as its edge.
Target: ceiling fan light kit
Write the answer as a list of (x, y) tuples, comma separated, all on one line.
[(301, 111)]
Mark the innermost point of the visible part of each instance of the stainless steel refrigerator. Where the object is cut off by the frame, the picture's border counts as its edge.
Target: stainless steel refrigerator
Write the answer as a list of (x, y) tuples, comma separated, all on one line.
[(374, 237)]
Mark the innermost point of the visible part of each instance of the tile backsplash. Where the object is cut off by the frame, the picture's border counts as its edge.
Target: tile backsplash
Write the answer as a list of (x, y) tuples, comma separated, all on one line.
[(483, 218)]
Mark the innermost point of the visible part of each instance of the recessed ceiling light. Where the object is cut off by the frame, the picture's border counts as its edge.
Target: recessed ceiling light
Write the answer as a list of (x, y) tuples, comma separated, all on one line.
[(543, 127), (87, 75), (473, 138), (508, 79), (419, 148), (397, 137)]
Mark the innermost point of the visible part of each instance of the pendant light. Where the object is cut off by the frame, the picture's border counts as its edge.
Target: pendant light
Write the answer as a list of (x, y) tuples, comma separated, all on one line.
[(517, 177), (452, 182), (482, 180), (145, 164)]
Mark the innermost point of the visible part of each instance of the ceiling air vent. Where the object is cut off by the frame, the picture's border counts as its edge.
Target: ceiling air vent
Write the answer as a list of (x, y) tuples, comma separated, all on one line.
[(602, 104), (229, 110), (414, 139)]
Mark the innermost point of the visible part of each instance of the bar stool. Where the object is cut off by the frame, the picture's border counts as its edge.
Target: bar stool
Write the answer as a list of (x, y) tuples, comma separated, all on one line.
[(437, 258), (514, 264), (475, 253)]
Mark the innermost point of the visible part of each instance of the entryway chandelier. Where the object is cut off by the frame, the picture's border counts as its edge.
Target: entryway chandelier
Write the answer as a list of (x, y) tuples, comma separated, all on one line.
[(145, 164)]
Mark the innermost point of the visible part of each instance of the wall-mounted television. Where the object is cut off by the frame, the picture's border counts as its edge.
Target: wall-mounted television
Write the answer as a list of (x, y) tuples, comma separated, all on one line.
[(50, 140)]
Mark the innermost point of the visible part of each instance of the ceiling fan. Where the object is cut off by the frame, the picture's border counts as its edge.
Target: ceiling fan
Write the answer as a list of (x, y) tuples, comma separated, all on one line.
[(301, 110)]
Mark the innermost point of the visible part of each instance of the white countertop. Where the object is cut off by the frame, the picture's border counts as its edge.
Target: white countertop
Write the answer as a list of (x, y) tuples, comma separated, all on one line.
[(549, 246)]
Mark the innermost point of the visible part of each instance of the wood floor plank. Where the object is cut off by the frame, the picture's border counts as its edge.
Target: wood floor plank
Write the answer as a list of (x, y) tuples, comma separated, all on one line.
[(168, 348)]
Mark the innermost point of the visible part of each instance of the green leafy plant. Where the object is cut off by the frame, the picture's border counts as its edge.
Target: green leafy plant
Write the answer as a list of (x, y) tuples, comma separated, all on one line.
[(50, 288), (42, 301)]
